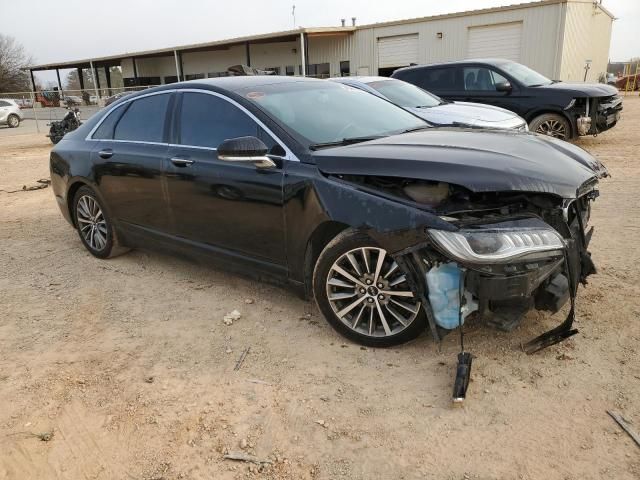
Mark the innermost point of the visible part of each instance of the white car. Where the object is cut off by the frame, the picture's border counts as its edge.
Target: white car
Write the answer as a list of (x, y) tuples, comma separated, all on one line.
[(433, 109), (10, 113)]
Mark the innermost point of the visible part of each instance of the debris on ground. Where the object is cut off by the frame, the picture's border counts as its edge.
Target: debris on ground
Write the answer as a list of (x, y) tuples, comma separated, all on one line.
[(322, 423), (45, 436), (230, 317), (244, 457), (241, 359), (149, 379), (248, 301), (42, 183), (626, 426), (259, 382)]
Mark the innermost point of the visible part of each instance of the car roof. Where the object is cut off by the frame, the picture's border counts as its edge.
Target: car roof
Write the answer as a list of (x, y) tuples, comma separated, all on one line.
[(229, 84), (10, 100), (234, 83), (362, 79), (488, 61)]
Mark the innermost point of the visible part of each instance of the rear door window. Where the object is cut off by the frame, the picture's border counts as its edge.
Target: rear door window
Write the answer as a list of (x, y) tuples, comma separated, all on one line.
[(144, 120), (105, 130), (437, 79)]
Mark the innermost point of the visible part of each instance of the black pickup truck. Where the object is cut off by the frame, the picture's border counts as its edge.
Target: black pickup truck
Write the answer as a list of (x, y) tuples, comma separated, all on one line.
[(562, 110)]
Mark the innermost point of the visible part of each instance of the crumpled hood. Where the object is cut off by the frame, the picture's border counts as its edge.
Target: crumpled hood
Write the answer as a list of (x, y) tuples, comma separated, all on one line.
[(581, 89), (482, 161), (468, 113)]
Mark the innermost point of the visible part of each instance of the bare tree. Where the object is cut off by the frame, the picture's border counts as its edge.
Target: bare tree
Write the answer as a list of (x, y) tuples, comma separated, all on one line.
[(13, 60)]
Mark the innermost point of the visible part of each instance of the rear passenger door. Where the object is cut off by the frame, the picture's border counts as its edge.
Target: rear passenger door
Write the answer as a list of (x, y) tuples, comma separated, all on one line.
[(127, 161), (444, 82), (233, 206)]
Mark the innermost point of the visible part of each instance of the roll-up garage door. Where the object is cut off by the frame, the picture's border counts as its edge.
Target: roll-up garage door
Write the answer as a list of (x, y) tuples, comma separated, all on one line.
[(495, 41), (397, 51)]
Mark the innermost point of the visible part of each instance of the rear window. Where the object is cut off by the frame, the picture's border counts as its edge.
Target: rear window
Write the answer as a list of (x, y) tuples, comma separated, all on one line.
[(430, 78), (144, 120)]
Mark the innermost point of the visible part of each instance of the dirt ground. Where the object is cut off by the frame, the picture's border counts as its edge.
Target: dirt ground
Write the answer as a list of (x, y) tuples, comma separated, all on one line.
[(128, 364)]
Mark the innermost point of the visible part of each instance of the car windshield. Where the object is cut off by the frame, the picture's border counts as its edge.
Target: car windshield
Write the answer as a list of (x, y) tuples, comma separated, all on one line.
[(321, 112), (405, 94), (524, 75)]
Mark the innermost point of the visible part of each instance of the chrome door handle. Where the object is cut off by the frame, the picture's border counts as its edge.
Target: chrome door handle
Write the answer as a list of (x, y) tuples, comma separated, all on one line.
[(106, 153), (181, 162)]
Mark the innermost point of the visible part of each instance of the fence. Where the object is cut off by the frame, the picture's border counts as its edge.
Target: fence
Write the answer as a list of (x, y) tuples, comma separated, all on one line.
[(38, 109)]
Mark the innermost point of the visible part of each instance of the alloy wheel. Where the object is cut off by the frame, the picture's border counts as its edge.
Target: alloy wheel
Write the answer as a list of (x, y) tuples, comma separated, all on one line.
[(370, 294), (13, 121), (553, 128), (91, 222)]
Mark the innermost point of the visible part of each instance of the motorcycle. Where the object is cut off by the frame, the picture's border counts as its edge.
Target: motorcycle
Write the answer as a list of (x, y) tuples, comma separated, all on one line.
[(70, 122)]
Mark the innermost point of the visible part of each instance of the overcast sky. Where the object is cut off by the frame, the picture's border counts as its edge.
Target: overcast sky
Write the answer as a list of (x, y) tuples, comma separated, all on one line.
[(74, 29)]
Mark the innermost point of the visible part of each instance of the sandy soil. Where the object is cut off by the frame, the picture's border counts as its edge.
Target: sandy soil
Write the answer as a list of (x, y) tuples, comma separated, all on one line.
[(129, 365)]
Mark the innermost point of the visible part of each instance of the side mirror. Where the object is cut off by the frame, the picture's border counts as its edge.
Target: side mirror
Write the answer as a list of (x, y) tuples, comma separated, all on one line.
[(504, 87), (245, 149)]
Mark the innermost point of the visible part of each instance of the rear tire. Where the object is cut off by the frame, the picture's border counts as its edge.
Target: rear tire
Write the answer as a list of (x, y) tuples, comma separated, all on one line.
[(13, 121), (553, 125), (94, 225), (363, 294)]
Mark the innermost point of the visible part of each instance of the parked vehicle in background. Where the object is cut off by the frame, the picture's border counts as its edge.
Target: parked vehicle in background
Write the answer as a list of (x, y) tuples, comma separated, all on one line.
[(93, 99), (116, 97), (48, 99), (609, 79), (10, 113), (69, 123), (72, 101), (434, 109), (24, 102), (341, 194), (559, 109)]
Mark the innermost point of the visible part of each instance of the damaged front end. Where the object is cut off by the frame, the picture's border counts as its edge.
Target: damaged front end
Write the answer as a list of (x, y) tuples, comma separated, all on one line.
[(503, 255)]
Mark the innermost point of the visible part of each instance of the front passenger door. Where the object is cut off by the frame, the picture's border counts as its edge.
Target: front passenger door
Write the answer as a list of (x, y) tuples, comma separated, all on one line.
[(480, 87), (232, 206)]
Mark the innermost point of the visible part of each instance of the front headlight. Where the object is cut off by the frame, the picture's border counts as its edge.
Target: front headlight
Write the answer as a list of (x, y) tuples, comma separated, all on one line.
[(498, 245)]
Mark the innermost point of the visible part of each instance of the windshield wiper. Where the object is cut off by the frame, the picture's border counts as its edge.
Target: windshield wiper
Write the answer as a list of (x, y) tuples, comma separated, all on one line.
[(417, 129), (344, 141)]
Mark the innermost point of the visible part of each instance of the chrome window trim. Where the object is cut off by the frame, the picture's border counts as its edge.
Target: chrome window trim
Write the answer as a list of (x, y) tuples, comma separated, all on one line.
[(289, 155), (90, 138)]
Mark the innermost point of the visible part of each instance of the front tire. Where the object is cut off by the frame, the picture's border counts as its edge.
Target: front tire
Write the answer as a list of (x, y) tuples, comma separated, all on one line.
[(94, 226), (363, 293), (13, 121), (553, 125)]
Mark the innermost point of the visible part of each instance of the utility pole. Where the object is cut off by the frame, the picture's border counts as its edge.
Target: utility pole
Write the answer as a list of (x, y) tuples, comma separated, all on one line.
[(293, 14)]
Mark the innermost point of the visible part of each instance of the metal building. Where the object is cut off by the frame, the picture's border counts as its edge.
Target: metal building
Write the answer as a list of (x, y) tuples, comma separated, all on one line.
[(558, 38)]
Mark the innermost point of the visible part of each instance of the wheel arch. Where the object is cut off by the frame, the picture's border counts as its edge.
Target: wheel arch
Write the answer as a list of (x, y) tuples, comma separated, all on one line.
[(554, 111), (75, 185), (320, 238)]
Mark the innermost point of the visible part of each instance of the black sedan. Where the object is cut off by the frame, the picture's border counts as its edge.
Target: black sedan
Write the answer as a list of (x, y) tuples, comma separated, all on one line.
[(392, 225), (559, 109)]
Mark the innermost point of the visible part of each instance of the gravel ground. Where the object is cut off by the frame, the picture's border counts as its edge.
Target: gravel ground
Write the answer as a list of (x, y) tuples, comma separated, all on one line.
[(125, 368)]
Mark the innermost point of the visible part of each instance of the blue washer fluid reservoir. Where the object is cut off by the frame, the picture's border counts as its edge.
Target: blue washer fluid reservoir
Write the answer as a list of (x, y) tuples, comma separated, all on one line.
[(444, 294)]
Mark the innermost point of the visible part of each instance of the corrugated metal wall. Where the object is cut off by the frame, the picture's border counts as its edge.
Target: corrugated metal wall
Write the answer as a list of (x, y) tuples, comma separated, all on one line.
[(550, 44), (587, 36), (329, 49), (541, 24)]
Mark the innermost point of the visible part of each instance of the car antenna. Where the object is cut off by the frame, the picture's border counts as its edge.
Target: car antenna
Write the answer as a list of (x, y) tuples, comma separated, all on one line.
[(463, 371)]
